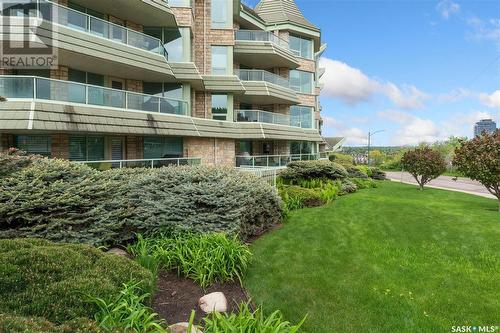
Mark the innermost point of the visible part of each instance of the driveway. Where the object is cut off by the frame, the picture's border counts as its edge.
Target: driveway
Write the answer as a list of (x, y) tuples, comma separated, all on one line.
[(465, 185)]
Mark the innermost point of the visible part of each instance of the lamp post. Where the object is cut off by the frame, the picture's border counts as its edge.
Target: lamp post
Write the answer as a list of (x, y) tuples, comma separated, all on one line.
[(370, 134)]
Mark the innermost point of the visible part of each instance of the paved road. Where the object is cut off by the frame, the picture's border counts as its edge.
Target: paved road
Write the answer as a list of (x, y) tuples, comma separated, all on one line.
[(445, 182)]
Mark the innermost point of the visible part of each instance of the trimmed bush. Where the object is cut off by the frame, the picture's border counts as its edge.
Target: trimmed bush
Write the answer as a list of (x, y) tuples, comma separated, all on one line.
[(347, 187), (356, 172), (296, 197), (313, 170), (205, 258), (68, 202), (18, 324), (377, 174), (342, 159), (14, 160), (44, 279)]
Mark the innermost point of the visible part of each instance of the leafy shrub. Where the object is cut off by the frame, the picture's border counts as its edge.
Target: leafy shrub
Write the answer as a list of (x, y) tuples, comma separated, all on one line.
[(40, 278), (14, 160), (424, 164), (479, 159), (356, 172), (296, 197), (205, 258), (362, 183), (128, 312), (17, 324), (325, 188), (342, 159), (313, 170), (247, 321), (69, 202), (377, 174), (347, 187)]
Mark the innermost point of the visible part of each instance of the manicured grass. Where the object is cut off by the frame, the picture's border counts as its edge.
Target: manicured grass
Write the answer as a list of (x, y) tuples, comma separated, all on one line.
[(391, 259)]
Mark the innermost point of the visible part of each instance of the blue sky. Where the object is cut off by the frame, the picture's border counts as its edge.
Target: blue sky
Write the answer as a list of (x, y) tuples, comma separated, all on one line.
[(421, 70)]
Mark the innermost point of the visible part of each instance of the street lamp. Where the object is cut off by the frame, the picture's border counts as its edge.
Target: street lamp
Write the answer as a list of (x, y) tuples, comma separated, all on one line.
[(370, 134)]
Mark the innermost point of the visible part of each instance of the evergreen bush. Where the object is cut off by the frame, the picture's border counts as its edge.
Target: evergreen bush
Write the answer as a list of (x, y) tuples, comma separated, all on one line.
[(313, 170)]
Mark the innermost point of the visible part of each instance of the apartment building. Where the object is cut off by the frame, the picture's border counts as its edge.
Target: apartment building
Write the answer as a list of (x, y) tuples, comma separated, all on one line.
[(484, 126), (152, 79)]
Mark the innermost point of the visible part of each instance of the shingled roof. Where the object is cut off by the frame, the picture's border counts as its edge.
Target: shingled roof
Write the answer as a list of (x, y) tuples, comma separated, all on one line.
[(282, 11)]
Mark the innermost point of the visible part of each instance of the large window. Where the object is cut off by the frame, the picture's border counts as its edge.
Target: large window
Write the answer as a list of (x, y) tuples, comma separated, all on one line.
[(219, 106), (168, 90), (86, 148), (34, 144), (301, 147), (220, 60), (221, 14), (301, 81), (301, 116), (162, 147), (301, 46)]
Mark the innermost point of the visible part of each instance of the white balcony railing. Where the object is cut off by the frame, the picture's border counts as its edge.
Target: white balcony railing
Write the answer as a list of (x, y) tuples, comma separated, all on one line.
[(142, 163), (33, 87), (261, 36), (77, 20), (261, 75), (272, 161)]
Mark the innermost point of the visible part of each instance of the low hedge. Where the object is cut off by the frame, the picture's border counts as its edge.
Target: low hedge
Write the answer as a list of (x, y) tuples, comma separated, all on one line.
[(356, 172), (18, 324), (348, 187), (14, 160), (313, 170), (296, 197), (43, 279), (69, 202)]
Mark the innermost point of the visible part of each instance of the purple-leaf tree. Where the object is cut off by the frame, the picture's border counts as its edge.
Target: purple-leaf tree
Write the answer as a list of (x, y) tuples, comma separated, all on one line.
[(424, 164)]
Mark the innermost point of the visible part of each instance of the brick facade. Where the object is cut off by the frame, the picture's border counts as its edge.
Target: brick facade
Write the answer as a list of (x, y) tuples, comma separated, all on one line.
[(60, 146), (212, 151), (134, 85), (307, 100), (184, 16), (134, 147), (61, 73)]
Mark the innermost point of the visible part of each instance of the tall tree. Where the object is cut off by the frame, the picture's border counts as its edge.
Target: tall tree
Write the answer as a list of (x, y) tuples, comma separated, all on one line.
[(479, 159)]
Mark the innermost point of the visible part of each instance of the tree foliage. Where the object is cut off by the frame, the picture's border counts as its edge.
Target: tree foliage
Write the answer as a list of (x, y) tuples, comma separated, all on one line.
[(479, 159), (424, 164)]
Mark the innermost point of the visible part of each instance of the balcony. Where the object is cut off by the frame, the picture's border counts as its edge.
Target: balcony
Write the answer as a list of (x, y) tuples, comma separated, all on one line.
[(142, 163), (90, 44), (38, 88), (74, 19), (259, 116), (263, 49), (263, 87), (272, 161)]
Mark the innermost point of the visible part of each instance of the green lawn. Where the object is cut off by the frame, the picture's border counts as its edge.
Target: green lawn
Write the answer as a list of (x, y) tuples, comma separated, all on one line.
[(391, 259)]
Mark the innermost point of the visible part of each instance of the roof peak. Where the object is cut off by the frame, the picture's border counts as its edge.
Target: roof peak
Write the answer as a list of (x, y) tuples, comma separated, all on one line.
[(279, 11)]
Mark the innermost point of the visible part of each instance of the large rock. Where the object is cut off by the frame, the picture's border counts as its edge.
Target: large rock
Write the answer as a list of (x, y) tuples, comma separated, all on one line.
[(182, 328), (214, 302), (118, 252)]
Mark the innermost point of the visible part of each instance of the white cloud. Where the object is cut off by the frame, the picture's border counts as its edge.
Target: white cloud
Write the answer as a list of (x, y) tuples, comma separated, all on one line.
[(447, 8), (352, 86), (353, 135), (492, 101), (455, 95), (395, 116), (416, 131), (484, 30)]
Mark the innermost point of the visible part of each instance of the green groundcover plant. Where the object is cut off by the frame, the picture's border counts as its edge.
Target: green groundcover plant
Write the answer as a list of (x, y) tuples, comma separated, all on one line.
[(205, 258), (43, 279), (18, 324), (68, 202)]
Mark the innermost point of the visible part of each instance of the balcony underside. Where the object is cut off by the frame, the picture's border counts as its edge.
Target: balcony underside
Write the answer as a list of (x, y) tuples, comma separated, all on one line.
[(21, 116), (261, 92), (263, 55), (145, 12), (94, 54)]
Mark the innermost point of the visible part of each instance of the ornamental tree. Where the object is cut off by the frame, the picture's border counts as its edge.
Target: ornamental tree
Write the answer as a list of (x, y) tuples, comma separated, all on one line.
[(424, 164), (479, 159)]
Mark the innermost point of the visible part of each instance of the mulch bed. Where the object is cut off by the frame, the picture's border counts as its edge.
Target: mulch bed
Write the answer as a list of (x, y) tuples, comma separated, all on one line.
[(177, 296)]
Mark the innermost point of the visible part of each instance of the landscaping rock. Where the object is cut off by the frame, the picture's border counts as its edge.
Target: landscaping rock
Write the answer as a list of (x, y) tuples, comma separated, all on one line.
[(118, 252), (213, 302), (182, 328)]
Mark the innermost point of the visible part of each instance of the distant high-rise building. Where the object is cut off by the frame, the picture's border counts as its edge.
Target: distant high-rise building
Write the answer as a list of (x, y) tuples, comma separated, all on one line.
[(484, 125)]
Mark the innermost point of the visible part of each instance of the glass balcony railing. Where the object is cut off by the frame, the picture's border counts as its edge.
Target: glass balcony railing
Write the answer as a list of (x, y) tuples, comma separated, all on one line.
[(142, 163), (32, 87), (259, 116), (77, 20), (261, 75), (259, 35), (272, 161)]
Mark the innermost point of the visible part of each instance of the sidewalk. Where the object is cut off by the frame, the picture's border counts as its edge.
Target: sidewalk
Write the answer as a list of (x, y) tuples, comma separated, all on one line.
[(464, 185)]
